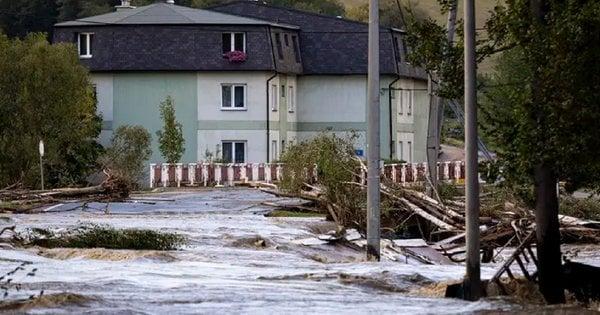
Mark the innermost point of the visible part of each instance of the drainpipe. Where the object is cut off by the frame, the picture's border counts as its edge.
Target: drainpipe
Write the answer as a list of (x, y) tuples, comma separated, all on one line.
[(391, 122), (269, 113), (268, 94)]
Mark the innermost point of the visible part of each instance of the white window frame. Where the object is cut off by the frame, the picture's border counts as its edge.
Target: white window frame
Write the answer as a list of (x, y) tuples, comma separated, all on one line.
[(274, 97), (232, 107), (291, 99), (233, 143), (274, 151), (232, 40), (88, 42)]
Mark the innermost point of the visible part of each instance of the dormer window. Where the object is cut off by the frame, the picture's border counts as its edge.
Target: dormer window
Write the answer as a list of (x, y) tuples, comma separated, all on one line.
[(84, 44), (234, 42)]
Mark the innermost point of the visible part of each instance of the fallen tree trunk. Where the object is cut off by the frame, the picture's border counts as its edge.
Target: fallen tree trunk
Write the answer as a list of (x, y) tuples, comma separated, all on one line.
[(425, 215), (112, 189)]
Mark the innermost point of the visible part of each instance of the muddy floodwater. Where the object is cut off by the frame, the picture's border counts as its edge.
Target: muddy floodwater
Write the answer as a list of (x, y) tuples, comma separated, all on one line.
[(236, 261)]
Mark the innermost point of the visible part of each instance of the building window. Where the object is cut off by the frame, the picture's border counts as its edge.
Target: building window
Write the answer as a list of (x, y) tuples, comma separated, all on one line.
[(405, 103), (398, 49), (234, 42), (233, 96), (409, 103), (278, 43), (274, 98), (296, 48), (290, 100), (234, 151), (286, 40), (405, 146), (84, 44), (283, 91), (274, 153), (401, 150)]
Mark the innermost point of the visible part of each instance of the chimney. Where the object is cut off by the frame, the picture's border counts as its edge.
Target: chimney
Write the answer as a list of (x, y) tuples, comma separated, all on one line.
[(125, 5)]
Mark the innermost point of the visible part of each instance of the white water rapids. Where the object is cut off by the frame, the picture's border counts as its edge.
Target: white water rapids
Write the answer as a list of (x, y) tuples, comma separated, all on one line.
[(216, 273)]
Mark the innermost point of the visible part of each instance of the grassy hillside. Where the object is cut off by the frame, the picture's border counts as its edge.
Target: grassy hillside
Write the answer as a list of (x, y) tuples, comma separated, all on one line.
[(483, 8)]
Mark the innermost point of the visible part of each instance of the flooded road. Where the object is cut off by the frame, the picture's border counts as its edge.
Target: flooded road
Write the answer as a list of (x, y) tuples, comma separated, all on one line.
[(236, 261)]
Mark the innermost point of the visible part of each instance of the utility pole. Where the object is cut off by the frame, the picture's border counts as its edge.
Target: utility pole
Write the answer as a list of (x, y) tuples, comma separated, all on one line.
[(436, 111), (373, 144), (433, 142), (472, 283)]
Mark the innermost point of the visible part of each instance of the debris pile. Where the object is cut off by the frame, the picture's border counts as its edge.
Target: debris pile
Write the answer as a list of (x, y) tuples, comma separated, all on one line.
[(113, 188), (408, 213)]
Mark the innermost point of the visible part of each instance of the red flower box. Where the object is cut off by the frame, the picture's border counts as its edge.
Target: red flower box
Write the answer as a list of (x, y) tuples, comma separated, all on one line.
[(235, 56)]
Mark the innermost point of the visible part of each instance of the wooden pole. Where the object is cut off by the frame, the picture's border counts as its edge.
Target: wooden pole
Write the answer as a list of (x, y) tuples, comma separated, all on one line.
[(472, 283), (373, 133)]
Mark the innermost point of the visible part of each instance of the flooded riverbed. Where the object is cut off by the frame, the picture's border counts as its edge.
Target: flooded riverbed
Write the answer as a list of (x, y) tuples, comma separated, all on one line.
[(236, 261)]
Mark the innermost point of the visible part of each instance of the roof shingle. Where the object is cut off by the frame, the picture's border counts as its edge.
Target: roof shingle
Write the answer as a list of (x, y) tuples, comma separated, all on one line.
[(162, 13)]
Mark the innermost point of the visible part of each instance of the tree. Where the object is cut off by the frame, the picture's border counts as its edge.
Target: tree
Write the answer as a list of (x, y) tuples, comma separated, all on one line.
[(45, 94), (541, 109), (20, 17), (392, 13), (128, 153), (170, 139)]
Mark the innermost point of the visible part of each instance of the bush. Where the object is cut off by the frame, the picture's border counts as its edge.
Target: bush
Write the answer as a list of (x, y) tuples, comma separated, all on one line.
[(586, 208), (170, 139), (97, 236), (490, 171), (448, 191), (128, 154), (336, 165)]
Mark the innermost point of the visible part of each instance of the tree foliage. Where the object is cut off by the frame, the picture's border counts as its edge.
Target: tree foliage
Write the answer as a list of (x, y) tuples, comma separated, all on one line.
[(45, 94), (336, 164), (557, 64), (20, 17), (392, 13), (170, 138), (128, 153), (430, 49)]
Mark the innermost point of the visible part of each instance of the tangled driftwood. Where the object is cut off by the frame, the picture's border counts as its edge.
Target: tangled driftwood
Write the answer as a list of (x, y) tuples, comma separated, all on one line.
[(113, 188), (443, 223)]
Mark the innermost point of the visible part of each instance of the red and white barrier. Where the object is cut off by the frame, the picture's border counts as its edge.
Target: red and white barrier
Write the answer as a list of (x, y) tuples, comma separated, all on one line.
[(215, 174)]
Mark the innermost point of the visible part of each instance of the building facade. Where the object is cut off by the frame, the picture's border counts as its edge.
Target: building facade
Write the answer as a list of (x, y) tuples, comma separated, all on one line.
[(248, 79)]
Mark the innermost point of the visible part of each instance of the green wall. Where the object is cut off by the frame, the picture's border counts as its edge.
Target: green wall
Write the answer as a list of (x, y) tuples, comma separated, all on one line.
[(137, 97)]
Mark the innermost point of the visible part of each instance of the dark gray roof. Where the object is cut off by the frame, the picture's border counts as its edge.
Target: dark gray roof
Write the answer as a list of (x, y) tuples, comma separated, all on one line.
[(170, 14), (331, 45)]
